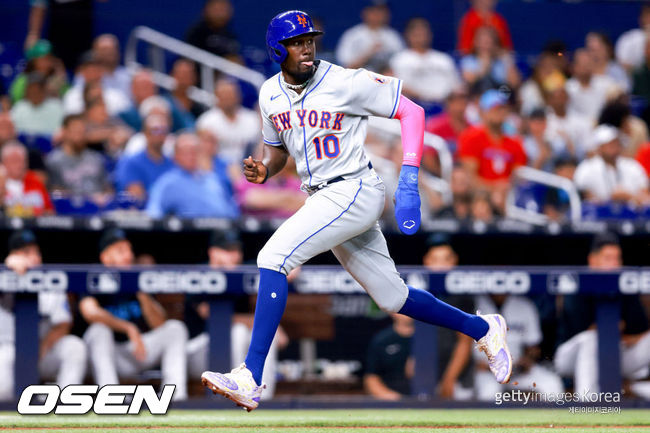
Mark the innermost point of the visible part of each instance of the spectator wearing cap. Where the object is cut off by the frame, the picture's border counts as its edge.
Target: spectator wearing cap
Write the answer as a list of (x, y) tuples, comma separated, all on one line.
[(371, 43), (488, 154), (236, 128), (128, 333), (37, 113), (488, 65), (482, 14), (91, 71), (23, 193), (187, 191), (137, 173), (40, 59), (634, 131), (577, 355), (278, 197), (213, 33), (609, 176), (225, 251), (428, 75), (73, 169), (62, 357)]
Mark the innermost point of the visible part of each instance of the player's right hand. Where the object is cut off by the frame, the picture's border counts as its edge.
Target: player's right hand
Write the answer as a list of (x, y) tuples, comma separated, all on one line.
[(254, 170)]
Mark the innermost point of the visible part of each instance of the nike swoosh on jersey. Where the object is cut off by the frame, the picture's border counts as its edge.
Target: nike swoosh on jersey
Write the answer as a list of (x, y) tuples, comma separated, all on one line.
[(275, 97)]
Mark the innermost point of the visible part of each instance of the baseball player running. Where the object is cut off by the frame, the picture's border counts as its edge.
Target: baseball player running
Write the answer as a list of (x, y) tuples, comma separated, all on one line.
[(317, 112)]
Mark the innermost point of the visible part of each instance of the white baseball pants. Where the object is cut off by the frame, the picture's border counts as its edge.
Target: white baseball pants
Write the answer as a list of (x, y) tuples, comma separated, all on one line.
[(578, 357), (65, 363), (341, 217), (165, 345), (545, 381)]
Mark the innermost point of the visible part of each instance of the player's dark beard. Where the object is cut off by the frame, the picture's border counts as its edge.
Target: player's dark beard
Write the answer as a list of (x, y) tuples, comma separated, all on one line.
[(302, 77)]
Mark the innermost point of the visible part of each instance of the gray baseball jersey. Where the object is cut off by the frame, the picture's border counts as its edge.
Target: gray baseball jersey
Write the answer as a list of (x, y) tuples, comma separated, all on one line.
[(324, 127)]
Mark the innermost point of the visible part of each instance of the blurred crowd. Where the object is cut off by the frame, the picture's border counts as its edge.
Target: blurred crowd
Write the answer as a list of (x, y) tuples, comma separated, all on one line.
[(82, 134)]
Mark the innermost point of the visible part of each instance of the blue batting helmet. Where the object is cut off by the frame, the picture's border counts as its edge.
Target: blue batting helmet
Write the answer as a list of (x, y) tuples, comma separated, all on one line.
[(285, 26)]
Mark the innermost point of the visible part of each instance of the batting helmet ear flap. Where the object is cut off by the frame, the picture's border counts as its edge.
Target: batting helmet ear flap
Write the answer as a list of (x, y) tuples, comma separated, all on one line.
[(277, 51)]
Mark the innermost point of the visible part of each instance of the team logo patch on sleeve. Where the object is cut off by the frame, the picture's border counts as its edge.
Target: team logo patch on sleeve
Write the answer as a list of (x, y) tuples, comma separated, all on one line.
[(377, 78)]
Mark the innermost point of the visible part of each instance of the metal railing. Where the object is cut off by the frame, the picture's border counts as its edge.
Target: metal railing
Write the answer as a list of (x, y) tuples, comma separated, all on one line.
[(208, 63), (548, 179)]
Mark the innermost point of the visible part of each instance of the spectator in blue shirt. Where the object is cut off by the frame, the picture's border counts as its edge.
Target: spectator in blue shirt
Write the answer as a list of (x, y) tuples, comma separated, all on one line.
[(189, 192), (136, 174)]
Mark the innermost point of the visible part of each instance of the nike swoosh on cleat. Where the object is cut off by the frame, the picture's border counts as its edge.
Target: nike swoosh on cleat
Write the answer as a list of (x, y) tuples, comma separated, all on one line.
[(274, 97)]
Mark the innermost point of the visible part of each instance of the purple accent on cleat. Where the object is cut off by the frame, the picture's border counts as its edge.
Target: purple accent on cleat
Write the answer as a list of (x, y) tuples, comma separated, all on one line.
[(257, 399), (497, 319), (227, 382), (503, 363)]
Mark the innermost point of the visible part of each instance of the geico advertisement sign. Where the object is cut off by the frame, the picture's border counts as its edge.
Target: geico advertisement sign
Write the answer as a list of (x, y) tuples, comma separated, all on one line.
[(472, 282), (33, 281), (185, 281), (81, 399), (326, 282), (633, 282)]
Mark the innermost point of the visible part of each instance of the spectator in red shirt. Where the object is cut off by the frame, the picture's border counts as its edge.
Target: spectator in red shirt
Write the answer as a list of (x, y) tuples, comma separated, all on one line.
[(452, 121), (643, 157), (482, 14), (23, 194), (447, 125), (487, 153)]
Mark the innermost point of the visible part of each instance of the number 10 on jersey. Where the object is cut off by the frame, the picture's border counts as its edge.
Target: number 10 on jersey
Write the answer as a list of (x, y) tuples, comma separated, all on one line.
[(329, 146)]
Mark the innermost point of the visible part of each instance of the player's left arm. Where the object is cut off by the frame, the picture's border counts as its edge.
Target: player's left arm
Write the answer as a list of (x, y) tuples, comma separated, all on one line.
[(371, 94), (407, 196)]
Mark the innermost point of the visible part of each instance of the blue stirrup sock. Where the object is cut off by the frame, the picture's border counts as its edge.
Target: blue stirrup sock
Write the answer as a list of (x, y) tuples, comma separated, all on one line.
[(422, 305), (271, 300)]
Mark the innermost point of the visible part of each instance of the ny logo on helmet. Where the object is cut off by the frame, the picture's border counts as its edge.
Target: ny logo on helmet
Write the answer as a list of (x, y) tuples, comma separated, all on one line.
[(302, 21)]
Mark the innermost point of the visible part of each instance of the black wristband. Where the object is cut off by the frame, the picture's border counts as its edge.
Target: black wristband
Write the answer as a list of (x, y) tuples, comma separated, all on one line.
[(267, 174)]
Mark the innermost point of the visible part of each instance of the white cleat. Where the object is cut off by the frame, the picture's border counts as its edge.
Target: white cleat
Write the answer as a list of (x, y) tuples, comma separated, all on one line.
[(496, 348), (238, 386)]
